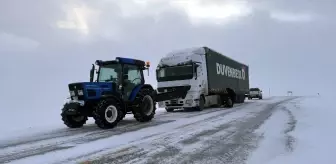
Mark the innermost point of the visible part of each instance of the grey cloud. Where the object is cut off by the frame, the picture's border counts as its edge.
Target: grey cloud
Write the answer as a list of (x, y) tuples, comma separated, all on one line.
[(10, 42), (281, 56)]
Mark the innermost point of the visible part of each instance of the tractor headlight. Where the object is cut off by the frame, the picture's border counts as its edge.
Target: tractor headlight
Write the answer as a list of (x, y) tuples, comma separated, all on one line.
[(80, 93), (72, 93)]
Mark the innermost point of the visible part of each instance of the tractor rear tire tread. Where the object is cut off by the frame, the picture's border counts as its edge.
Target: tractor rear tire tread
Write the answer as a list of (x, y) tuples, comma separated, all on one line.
[(137, 112)]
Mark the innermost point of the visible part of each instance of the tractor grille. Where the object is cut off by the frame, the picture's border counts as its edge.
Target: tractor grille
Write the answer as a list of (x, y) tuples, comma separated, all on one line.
[(75, 87)]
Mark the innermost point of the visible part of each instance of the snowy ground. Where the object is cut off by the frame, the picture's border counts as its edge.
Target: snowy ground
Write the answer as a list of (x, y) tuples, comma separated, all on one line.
[(299, 132), (273, 130)]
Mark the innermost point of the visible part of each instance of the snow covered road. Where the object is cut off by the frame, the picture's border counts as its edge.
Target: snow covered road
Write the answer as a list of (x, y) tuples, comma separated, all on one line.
[(212, 136)]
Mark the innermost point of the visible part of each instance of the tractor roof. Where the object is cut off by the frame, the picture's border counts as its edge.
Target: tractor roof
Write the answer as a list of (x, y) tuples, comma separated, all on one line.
[(123, 61)]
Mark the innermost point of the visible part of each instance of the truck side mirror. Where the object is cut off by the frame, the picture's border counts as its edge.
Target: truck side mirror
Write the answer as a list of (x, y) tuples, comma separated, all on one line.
[(92, 73)]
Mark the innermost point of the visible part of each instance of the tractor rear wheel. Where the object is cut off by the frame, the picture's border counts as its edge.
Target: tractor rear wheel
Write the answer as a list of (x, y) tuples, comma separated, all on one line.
[(146, 110), (75, 120), (107, 113)]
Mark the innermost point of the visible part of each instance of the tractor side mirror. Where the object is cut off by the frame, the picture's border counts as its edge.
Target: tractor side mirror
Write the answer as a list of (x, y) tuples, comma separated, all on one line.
[(92, 73)]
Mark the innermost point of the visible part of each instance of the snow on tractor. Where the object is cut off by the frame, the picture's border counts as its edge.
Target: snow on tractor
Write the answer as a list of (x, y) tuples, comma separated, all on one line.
[(118, 89)]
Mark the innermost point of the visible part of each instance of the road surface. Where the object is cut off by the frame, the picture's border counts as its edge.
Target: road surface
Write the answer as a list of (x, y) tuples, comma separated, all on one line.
[(216, 135)]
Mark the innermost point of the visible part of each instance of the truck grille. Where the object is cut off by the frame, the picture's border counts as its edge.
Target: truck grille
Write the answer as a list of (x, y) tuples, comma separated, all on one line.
[(173, 101), (170, 89)]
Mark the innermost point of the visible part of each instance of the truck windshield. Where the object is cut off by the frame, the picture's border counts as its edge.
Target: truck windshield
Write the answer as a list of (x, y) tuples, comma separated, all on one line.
[(109, 73), (175, 73)]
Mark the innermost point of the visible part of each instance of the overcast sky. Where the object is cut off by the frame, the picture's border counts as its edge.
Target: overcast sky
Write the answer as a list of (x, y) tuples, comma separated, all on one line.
[(46, 44)]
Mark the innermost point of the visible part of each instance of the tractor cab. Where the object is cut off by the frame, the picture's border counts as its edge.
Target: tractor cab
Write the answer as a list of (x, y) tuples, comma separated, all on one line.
[(124, 75)]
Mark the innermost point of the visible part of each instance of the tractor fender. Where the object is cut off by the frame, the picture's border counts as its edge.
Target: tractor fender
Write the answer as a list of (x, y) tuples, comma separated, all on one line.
[(136, 90)]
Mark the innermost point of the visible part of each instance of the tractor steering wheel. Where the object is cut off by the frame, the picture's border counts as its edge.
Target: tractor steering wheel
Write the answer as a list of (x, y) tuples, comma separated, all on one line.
[(135, 79)]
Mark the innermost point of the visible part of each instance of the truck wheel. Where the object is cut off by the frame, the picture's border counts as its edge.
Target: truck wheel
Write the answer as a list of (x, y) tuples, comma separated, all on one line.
[(107, 113), (146, 110), (73, 121), (169, 109), (200, 107), (260, 97), (229, 103)]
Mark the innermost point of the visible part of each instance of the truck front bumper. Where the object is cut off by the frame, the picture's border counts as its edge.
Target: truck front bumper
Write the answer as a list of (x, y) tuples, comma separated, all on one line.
[(179, 103)]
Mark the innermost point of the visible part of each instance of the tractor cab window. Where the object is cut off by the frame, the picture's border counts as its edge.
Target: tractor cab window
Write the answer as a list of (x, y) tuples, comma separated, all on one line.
[(134, 78), (109, 73)]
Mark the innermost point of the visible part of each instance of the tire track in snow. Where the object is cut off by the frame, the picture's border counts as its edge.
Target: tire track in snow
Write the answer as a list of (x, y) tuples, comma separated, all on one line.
[(236, 137), (88, 128), (291, 124), (235, 143), (69, 138), (17, 152), (159, 137)]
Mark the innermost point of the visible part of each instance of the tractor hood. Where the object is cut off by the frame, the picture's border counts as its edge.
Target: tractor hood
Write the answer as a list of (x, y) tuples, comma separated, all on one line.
[(90, 90)]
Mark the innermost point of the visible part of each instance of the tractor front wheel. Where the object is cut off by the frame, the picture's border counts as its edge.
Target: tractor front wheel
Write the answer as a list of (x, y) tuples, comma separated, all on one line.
[(72, 120), (107, 113), (146, 110)]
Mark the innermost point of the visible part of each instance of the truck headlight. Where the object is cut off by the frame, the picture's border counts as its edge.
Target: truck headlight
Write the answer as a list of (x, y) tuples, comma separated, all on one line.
[(72, 93), (80, 93)]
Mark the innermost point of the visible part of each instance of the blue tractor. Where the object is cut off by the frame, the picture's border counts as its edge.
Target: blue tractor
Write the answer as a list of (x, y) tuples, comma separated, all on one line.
[(118, 89)]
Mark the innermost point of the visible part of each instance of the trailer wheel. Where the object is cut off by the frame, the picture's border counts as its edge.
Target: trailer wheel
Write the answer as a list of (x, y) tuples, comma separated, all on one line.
[(229, 102), (73, 121), (240, 98), (107, 113), (146, 110)]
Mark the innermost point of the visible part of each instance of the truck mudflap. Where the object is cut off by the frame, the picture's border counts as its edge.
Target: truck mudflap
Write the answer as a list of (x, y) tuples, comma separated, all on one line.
[(180, 93)]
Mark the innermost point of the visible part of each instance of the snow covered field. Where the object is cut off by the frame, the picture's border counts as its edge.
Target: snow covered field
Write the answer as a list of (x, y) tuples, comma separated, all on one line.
[(299, 132), (275, 130)]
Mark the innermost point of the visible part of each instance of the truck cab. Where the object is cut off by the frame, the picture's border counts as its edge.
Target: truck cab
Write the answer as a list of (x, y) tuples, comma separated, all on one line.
[(182, 70), (255, 93)]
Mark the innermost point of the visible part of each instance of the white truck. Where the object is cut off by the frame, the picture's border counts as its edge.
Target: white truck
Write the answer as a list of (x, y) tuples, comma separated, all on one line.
[(204, 77)]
